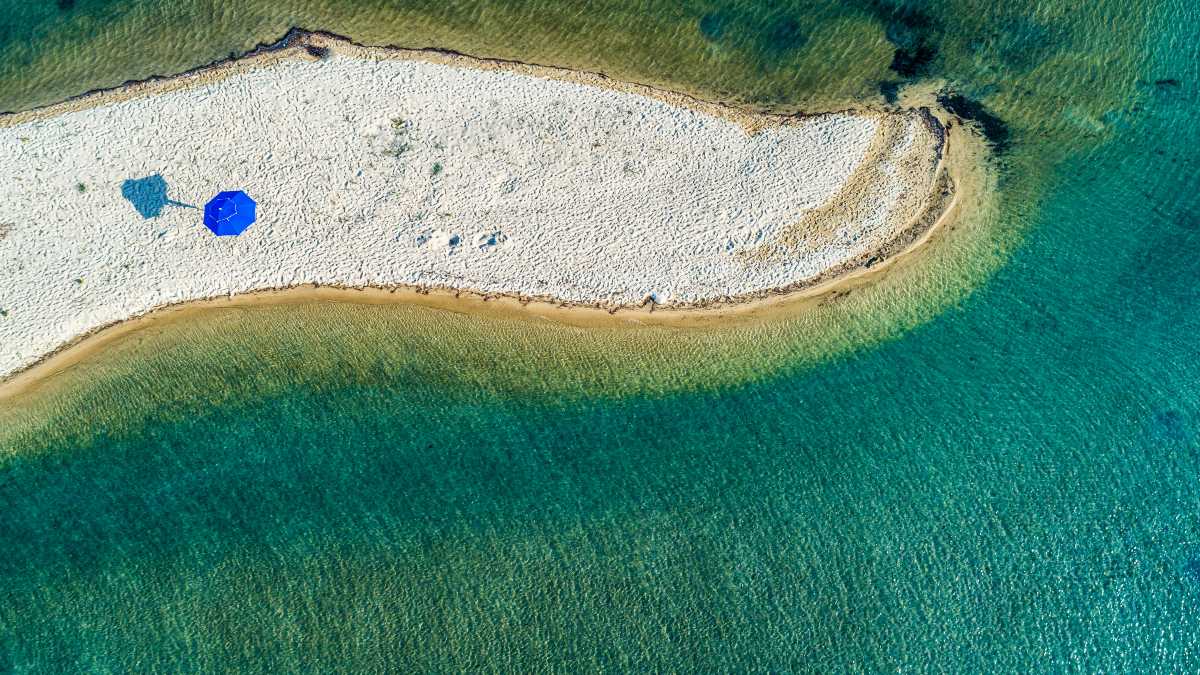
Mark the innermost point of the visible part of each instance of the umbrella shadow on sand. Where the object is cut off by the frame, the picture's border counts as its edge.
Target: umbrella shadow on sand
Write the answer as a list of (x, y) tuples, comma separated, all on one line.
[(149, 195)]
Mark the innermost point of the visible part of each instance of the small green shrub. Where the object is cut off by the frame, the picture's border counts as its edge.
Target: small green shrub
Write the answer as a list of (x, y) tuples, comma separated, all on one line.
[(400, 144)]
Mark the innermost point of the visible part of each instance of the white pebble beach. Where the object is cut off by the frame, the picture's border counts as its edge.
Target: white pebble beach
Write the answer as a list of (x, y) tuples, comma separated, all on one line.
[(382, 168)]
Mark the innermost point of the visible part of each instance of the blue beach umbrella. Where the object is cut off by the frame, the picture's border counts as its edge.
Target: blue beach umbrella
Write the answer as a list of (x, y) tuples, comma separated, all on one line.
[(229, 213)]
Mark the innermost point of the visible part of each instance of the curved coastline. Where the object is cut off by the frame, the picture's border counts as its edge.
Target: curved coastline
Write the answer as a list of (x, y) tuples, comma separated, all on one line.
[(733, 308), (725, 314)]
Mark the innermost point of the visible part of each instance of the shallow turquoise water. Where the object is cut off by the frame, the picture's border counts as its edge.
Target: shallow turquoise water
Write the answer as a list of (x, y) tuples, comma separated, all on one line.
[(1010, 486)]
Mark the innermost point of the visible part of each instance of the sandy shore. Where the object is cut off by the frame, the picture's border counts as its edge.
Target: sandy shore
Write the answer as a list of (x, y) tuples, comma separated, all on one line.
[(387, 168)]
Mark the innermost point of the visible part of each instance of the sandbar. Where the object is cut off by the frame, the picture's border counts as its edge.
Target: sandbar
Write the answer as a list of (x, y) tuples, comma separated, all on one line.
[(396, 169)]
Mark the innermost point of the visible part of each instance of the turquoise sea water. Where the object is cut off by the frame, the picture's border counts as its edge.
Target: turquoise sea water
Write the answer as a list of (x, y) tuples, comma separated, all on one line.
[(1003, 480)]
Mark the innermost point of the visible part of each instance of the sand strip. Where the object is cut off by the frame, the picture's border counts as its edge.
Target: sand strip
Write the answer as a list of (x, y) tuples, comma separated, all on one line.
[(391, 168)]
